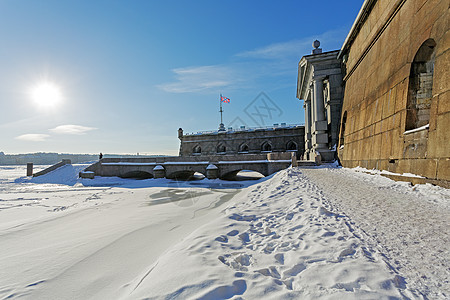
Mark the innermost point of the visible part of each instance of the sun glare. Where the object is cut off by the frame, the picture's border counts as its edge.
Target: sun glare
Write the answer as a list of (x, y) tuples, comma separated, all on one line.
[(46, 94)]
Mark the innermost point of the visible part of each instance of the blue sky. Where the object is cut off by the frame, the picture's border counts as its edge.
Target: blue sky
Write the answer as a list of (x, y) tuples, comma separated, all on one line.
[(130, 73)]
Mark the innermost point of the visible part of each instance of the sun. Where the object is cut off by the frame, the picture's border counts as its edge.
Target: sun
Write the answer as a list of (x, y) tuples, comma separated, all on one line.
[(46, 94)]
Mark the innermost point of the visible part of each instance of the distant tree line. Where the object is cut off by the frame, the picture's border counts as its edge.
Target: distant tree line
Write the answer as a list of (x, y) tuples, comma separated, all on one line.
[(42, 158)]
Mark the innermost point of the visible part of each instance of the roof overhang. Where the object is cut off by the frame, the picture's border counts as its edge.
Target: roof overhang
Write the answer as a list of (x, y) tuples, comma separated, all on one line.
[(306, 70)]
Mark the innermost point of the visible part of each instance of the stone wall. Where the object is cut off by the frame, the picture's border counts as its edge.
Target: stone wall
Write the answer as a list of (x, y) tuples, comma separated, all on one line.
[(277, 139), (380, 54)]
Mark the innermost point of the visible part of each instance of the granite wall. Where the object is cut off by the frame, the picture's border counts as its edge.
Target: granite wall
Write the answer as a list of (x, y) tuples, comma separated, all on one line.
[(397, 65)]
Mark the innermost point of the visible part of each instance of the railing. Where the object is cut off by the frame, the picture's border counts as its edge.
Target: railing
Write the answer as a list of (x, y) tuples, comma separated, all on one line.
[(52, 168), (244, 129)]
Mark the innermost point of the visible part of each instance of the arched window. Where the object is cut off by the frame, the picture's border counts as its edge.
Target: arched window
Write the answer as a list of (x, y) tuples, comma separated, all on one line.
[(221, 148), (243, 148), (291, 146), (266, 147), (344, 120), (197, 150), (420, 86)]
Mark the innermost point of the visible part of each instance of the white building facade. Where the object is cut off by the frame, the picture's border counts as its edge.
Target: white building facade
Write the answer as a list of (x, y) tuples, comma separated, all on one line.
[(320, 86)]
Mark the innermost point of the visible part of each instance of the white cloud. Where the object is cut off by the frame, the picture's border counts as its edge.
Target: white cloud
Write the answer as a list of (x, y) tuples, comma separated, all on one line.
[(71, 129), (196, 79), (296, 48), (254, 68), (278, 50), (33, 137)]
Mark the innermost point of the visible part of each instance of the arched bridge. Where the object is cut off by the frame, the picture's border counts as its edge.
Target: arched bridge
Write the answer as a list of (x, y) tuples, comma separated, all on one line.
[(220, 166)]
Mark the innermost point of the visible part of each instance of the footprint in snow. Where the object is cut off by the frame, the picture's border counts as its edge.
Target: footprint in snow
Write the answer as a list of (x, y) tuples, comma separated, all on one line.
[(295, 227), (270, 247), (233, 233), (244, 237), (222, 239), (347, 252), (289, 216), (323, 211), (239, 217), (270, 272), (279, 258), (294, 271), (238, 261), (328, 233)]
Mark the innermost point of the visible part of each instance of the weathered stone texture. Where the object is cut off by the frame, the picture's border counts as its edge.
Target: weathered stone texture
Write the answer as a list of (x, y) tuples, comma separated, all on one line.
[(319, 85), (234, 142), (378, 58)]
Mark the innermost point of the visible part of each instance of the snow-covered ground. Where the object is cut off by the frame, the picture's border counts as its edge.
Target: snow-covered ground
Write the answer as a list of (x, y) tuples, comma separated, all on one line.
[(327, 233)]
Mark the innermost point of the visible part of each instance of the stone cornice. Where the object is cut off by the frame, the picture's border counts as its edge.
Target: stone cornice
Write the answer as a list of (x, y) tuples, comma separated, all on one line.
[(354, 32), (306, 69), (361, 18)]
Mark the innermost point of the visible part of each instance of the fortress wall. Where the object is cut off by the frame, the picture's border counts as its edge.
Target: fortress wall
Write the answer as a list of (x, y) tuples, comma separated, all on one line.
[(377, 89), (278, 138)]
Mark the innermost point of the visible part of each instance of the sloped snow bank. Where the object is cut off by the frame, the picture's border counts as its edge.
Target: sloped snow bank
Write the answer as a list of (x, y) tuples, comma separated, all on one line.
[(277, 241)]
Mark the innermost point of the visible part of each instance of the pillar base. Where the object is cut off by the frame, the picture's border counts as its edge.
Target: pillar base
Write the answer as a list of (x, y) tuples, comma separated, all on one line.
[(212, 172), (294, 159), (326, 155), (159, 172)]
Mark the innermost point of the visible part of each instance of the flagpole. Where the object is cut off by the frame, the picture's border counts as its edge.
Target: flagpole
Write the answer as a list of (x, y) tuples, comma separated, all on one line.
[(221, 126), (221, 110)]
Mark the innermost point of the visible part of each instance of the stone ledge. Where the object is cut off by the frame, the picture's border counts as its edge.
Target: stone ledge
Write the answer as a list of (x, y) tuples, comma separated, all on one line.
[(86, 174), (418, 180)]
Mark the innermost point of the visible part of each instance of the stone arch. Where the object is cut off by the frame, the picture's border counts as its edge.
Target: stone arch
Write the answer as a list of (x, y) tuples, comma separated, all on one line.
[(291, 146), (243, 148), (232, 175), (221, 148), (420, 88), (197, 150), (137, 175), (344, 120), (181, 175), (266, 147)]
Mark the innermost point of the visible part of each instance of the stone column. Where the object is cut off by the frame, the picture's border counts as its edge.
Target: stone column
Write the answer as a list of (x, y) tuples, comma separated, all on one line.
[(320, 126), (307, 107), (312, 108), (319, 109)]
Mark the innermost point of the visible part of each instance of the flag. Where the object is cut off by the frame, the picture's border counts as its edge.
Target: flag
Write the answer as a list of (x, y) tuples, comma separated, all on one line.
[(224, 99)]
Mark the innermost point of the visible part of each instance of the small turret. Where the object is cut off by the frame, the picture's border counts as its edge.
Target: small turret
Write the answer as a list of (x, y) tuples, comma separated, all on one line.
[(180, 133)]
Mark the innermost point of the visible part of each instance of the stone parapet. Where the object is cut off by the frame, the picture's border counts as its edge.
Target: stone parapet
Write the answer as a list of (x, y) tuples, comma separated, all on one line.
[(219, 166)]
